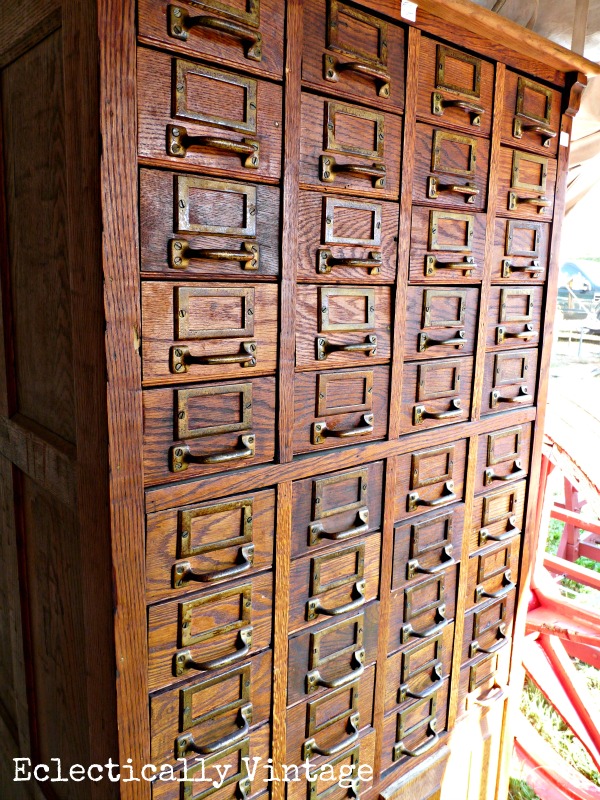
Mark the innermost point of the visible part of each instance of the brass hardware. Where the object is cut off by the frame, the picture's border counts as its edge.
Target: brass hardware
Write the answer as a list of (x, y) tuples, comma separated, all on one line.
[(320, 718), (440, 624), (435, 217), (357, 112), (475, 647), (474, 681), (184, 745), (320, 431), (502, 334), (310, 748), (447, 496), (432, 264), (189, 784), (242, 594), (546, 133), (336, 23), (185, 548), (180, 456), (189, 703), (425, 391), (484, 573), (435, 186), (455, 294), (506, 294), (184, 295), (437, 676), (420, 412), (329, 237), (320, 486), (401, 750), (517, 183), (414, 568), (444, 53), (317, 531), (325, 379), (178, 143), (514, 475), (245, 193), (314, 607), (314, 679), (247, 12), (541, 203), (319, 587), (513, 225), (183, 573), (521, 397), (439, 137), (351, 786), (417, 550), (416, 481), (429, 722), (183, 397), (324, 347), (492, 458), (181, 253), (327, 292), (326, 260), (439, 105), (329, 168), (411, 611), (526, 84), (183, 660), (458, 341), (180, 358), (333, 66), (508, 268), (511, 531), (181, 23), (507, 584)]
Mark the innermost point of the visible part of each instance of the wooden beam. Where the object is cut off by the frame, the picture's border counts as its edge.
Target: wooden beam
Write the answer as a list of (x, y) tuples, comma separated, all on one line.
[(575, 519), (582, 8)]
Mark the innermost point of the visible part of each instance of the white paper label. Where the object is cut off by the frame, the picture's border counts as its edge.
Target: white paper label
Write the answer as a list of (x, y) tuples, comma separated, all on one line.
[(408, 10), (564, 139)]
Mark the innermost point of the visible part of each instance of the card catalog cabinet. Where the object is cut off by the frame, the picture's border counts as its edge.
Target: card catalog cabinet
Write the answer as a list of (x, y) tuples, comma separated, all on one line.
[(278, 280)]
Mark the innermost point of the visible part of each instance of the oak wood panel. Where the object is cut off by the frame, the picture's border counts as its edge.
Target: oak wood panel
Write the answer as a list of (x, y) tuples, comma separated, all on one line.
[(514, 317), (497, 513), (503, 457), (527, 177), (530, 105), (422, 783), (483, 683), (439, 387), (440, 322), (488, 625), (520, 253), (493, 569), (26, 25), (510, 378)]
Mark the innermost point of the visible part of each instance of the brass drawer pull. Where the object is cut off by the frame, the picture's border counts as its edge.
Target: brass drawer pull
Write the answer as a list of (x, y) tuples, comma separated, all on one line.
[(324, 348), (314, 679), (326, 261), (508, 268), (183, 572), (496, 694), (432, 264), (318, 532), (426, 341), (180, 456), (516, 473), (511, 532), (439, 105), (438, 680), (475, 647), (330, 168), (180, 24), (310, 748), (435, 186), (314, 607), (528, 333), (441, 622), (184, 661), (401, 750), (333, 67), (181, 253), (414, 568), (180, 358), (178, 143), (420, 413), (507, 586), (522, 397), (447, 496), (541, 203), (546, 133), (185, 744), (321, 432)]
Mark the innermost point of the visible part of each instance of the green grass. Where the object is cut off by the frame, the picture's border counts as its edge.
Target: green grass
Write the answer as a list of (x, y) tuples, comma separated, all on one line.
[(573, 589), (520, 790)]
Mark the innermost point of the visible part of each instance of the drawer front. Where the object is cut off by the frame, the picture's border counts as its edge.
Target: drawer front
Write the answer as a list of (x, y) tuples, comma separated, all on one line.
[(531, 118), (179, 104), (199, 227), (334, 582), (418, 670), (502, 457), (208, 542), (488, 628), (483, 682), (330, 723), (336, 507), (498, 516), (436, 393), (455, 88), (447, 246), (493, 571), (349, 148), (520, 251), (340, 326), (514, 316), (333, 653), (440, 322), (243, 35), (509, 380), (450, 168), (201, 430), (193, 332), (526, 183), (346, 240), (430, 478), (427, 545), (353, 54), (207, 632), (205, 711), (349, 407), (422, 609)]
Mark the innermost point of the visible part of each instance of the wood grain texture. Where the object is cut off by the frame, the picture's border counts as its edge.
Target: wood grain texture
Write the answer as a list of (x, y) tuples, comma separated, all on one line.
[(25, 25), (511, 310), (530, 172), (533, 107), (499, 451), (431, 312), (487, 569), (493, 511), (481, 624), (436, 387), (520, 244), (513, 375), (490, 674), (425, 779)]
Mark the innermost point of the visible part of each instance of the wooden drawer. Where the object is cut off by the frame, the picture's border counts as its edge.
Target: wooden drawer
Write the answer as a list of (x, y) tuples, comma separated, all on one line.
[(430, 478), (209, 631), (333, 653), (208, 542), (349, 148), (526, 183), (455, 88), (483, 682), (197, 117), (520, 251), (418, 671), (194, 226), (193, 332), (414, 729), (336, 507), (338, 408), (340, 326), (497, 516), (446, 246), (346, 240), (222, 425), (353, 54), (334, 582), (514, 316), (440, 322), (509, 380), (422, 609), (502, 457), (330, 723), (436, 393), (488, 627), (427, 545), (531, 117), (493, 571), (243, 35), (451, 168), (193, 719)]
